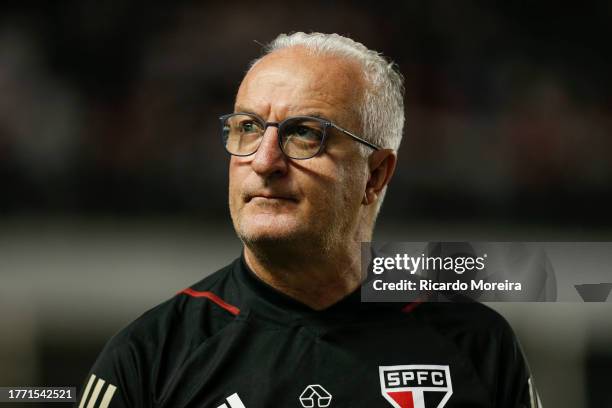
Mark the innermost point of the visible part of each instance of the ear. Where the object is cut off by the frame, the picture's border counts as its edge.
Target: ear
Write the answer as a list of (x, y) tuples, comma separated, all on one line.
[(381, 166)]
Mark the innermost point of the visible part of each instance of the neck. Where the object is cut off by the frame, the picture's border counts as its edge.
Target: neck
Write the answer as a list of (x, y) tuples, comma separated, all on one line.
[(317, 281)]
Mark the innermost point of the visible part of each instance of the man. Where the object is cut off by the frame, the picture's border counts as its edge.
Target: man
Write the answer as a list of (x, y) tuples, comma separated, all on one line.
[(313, 140)]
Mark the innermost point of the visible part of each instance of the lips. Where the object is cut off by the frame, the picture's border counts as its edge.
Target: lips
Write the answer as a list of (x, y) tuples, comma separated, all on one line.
[(270, 196)]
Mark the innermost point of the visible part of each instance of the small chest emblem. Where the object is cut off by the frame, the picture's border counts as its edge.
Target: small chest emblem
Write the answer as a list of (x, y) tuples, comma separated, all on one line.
[(315, 396)]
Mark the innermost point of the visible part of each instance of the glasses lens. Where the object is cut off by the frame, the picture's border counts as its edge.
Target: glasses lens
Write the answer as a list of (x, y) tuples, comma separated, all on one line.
[(301, 138), (242, 134)]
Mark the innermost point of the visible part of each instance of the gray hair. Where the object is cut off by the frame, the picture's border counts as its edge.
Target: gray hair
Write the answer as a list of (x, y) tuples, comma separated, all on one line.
[(382, 108)]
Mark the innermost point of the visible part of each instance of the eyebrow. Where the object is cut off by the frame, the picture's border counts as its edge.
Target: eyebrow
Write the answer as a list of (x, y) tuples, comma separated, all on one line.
[(245, 110), (317, 115), (314, 114)]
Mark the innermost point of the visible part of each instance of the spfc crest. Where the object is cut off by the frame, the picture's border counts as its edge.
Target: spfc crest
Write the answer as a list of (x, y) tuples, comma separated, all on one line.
[(416, 386)]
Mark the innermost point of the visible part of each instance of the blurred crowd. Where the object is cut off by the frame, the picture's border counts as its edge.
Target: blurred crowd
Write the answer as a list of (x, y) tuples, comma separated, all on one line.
[(113, 106)]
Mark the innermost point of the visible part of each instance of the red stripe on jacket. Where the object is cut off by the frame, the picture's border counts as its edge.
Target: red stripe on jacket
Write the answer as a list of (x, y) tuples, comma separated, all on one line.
[(211, 296)]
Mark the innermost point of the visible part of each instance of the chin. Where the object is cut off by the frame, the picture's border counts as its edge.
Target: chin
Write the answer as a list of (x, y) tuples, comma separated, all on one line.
[(267, 228)]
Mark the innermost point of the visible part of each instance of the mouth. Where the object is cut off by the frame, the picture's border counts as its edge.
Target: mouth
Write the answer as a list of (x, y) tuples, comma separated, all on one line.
[(271, 198)]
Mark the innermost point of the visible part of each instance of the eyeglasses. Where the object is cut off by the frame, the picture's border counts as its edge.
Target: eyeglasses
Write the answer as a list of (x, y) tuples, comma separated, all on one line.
[(299, 137)]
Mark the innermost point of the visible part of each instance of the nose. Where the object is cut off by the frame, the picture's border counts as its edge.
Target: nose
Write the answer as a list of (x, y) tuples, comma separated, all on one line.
[(269, 159)]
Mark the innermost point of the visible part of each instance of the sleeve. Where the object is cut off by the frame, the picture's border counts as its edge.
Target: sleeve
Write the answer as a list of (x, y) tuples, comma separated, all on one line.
[(515, 385), (114, 381)]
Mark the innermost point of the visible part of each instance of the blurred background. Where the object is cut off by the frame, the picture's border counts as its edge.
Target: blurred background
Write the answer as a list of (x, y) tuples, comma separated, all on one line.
[(114, 179)]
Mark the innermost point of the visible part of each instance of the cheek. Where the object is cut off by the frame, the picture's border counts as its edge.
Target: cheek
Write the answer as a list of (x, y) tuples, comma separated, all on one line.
[(352, 188), (236, 176), (338, 189)]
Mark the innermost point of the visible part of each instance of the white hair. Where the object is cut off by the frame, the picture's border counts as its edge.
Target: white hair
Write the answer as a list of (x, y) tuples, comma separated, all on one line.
[(382, 107)]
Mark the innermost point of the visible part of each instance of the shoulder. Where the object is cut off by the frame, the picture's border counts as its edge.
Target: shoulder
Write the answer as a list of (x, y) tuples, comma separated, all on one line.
[(207, 301), (485, 338), (146, 353)]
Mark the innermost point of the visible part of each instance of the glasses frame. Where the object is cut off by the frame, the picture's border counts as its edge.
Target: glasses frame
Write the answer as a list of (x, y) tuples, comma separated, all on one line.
[(279, 125)]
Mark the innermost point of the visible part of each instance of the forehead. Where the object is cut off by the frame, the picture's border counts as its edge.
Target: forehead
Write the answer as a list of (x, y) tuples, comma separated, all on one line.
[(294, 81)]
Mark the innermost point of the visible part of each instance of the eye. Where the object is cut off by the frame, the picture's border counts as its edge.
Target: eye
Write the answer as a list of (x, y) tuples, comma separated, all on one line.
[(305, 133), (249, 126)]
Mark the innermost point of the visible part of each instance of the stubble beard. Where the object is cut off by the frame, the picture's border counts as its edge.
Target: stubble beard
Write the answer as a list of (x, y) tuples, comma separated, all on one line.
[(319, 239)]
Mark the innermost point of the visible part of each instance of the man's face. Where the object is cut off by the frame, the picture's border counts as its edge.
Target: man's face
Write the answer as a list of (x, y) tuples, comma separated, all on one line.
[(311, 202)]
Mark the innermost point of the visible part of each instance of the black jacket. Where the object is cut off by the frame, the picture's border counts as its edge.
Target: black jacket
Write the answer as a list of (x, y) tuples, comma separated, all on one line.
[(231, 341)]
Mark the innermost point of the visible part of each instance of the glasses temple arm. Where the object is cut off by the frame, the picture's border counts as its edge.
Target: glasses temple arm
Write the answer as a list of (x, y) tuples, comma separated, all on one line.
[(357, 138)]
